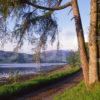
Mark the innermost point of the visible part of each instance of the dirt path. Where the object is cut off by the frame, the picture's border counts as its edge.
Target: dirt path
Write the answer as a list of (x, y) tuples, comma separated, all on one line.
[(48, 93)]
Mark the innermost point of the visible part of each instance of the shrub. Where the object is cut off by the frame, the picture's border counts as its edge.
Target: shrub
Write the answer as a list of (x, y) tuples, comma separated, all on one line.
[(73, 59)]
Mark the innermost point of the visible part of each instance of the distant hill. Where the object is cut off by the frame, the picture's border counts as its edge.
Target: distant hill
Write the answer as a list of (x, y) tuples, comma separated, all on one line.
[(54, 56), (47, 56), (8, 57)]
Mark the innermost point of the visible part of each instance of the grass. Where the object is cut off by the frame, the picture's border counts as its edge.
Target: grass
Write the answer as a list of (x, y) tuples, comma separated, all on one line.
[(80, 92), (42, 80)]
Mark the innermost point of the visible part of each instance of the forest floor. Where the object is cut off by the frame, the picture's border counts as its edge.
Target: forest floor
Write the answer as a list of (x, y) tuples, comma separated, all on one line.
[(50, 91)]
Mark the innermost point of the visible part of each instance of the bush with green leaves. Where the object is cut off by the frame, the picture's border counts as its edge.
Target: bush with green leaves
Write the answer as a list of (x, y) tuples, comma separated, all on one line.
[(73, 59)]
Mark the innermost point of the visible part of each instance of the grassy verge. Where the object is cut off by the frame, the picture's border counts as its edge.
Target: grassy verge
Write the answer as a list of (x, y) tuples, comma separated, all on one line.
[(81, 93), (16, 89)]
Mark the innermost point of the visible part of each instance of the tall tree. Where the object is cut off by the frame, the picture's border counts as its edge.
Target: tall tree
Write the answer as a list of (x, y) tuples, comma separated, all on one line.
[(37, 15), (93, 69), (44, 22), (81, 41)]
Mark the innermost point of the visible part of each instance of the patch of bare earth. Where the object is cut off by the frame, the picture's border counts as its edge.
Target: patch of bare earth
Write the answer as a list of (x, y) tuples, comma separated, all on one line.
[(48, 92)]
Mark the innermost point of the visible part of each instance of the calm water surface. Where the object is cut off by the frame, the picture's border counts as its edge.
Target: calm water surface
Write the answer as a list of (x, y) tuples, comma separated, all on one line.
[(26, 68)]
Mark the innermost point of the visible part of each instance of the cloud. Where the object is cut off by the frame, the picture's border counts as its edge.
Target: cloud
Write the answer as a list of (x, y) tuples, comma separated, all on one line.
[(67, 38)]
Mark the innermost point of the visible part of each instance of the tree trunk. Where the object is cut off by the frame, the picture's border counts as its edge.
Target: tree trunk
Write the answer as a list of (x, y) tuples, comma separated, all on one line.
[(81, 41), (93, 73), (38, 55)]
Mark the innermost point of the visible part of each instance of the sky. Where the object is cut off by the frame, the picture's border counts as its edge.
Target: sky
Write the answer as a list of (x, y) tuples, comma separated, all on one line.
[(66, 27)]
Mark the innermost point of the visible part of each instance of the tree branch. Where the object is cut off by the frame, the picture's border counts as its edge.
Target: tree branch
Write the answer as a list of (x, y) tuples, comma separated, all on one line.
[(49, 12), (48, 8)]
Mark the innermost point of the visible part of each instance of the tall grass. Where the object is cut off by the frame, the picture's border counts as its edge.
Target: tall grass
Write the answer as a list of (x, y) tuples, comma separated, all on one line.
[(80, 92)]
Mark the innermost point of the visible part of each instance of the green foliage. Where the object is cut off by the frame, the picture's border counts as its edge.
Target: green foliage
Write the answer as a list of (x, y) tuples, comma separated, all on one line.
[(11, 89), (80, 92), (29, 21), (73, 59)]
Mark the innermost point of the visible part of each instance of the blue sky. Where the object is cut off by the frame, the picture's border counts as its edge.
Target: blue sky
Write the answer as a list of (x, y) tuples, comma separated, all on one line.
[(84, 6), (67, 34)]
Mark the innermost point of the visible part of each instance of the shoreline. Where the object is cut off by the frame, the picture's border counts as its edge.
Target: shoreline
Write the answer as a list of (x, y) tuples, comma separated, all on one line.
[(25, 77), (17, 90)]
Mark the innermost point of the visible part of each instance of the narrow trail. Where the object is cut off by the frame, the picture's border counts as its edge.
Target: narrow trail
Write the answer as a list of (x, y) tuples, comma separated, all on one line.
[(48, 92)]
